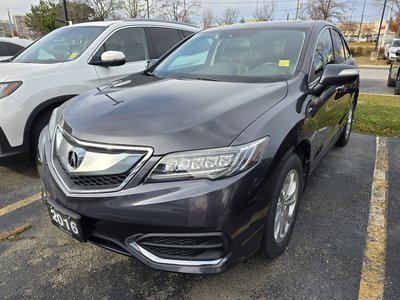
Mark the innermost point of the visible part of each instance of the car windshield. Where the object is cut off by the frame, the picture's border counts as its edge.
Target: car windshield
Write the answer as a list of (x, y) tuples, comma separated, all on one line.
[(396, 43), (61, 45), (239, 55)]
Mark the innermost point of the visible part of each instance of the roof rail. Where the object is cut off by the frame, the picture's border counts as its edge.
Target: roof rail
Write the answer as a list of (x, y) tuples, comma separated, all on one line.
[(158, 20)]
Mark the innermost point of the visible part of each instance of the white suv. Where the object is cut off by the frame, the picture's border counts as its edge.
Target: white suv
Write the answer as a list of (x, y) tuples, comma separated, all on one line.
[(391, 49), (68, 62)]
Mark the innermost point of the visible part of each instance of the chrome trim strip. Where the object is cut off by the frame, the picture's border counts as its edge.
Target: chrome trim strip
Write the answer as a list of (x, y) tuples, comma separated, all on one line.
[(166, 261), (139, 165)]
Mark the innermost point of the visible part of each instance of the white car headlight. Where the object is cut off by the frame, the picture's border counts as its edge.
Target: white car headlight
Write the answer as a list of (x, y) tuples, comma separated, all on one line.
[(7, 88), (210, 163)]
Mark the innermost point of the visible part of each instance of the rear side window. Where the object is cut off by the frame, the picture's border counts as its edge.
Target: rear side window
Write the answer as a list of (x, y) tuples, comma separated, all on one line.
[(323, 55), (339, 47), (131, 41), (5, 50), (164, 39), (346, 49), (15, 48), (186, 33)]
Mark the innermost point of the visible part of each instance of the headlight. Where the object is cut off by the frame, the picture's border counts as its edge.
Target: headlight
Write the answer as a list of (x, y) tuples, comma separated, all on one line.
[(7, 88), (211, 163), (53, 122)]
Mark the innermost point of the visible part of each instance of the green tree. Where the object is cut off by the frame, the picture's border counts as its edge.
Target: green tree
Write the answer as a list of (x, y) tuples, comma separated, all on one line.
[(43, 17), (49, 15)]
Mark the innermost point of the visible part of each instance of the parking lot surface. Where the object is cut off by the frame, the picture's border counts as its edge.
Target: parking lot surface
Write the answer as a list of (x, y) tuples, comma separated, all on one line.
[(324, 258), (373, 80)]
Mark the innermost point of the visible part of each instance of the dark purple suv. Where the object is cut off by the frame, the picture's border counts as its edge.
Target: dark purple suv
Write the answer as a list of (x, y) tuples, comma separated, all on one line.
[(199, 161)]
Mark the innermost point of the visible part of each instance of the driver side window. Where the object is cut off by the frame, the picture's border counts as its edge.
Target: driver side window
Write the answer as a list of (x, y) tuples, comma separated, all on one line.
[(131, 41), (323, 55)]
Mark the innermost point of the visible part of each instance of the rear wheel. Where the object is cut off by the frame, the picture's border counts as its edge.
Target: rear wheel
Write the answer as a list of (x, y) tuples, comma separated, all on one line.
[(287, 183), (345, 135)]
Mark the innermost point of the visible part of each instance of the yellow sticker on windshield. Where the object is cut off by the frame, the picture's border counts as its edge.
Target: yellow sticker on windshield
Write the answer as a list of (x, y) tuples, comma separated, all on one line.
[(284, 63), (73, 55)]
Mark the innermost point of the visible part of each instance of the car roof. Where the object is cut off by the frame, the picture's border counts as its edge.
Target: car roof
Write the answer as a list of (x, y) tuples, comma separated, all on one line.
[(274, 24), (139, 21), (17, 41)]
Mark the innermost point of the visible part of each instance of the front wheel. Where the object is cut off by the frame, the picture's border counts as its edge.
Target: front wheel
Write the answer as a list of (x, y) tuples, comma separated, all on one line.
[(397, 85), (391, 82), (41, 121), (287, 183)]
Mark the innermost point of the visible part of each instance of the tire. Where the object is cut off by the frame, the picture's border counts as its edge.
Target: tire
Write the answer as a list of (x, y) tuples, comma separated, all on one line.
[(41, 121), (391, 82), (345, 135), (275, 239), (388, 61), (397, 85)]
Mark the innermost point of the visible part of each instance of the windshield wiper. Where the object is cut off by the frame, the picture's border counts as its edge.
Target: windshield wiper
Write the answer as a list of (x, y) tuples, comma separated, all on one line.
[(200, 78)]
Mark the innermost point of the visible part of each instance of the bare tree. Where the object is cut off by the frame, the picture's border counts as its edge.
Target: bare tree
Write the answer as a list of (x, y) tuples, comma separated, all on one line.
[(265, 11), (207, 18), (230, 15), (326, 9), (178, 10), (134, 8), (104, 9)]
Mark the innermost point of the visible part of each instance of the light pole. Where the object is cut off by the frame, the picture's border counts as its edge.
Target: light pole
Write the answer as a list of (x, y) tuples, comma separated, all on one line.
[(362, 18), (380, 25), (65, 12), (148, 9)]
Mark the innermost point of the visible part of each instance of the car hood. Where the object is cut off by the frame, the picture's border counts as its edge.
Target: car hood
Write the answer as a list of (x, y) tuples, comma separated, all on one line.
[(22, 71), (169, 114)]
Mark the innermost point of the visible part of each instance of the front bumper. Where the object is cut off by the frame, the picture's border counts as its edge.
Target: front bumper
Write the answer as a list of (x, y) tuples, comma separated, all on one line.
[(9, 154), (228, 214)]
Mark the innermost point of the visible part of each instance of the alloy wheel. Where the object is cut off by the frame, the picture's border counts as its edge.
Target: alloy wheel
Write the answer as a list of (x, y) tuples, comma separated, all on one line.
[(286, 205)]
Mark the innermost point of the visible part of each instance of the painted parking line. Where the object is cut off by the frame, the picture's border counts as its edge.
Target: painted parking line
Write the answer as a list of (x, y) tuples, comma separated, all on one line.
[(373, 269), (9, 208)]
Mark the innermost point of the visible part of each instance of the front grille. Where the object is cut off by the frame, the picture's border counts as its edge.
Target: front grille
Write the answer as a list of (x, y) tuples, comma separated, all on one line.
[(95, 167), (98, 181), (185, 246)]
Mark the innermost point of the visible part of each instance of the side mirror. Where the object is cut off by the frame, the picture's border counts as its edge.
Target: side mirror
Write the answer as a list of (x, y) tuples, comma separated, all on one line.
[(111, 59), (150, 63), (337, 74)]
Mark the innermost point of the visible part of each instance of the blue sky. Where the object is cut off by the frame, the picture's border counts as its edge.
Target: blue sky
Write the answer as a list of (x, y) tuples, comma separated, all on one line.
[(246, 7)]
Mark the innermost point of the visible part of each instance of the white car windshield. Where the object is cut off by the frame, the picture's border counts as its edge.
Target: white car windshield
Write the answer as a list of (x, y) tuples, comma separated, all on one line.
[(61, 45), (241, 55), (396, 43)]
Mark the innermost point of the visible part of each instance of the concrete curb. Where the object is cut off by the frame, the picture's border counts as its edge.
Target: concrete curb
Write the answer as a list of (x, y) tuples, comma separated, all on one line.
[(374, 66), (376, 94)]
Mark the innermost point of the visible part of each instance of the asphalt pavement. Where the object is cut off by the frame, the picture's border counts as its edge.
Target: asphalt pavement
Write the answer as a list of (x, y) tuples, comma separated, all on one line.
[(323, 261), (373, 80)]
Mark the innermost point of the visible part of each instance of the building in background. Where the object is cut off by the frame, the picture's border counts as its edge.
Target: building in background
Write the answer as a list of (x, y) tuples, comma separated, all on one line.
[(369, 31), (5, 29), (21, 28)]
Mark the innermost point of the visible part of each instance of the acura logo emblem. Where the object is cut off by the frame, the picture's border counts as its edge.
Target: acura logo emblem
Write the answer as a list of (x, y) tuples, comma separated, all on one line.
[(75, 157)]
